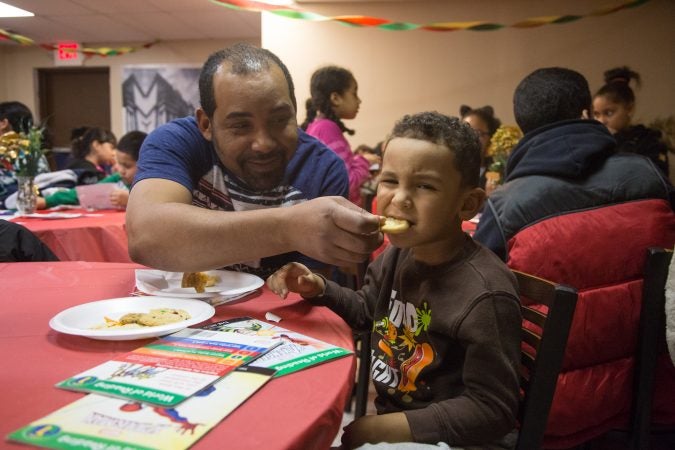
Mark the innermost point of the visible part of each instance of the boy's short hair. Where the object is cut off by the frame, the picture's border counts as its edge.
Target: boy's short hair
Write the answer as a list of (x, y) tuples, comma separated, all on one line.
[(451, 132), (550, 95), (131, 143)]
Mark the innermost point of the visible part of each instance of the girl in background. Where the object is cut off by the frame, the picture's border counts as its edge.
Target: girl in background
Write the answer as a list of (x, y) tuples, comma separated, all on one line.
[(485, 124), (334, 98), (614, 105), (126, 155), (93, 148)]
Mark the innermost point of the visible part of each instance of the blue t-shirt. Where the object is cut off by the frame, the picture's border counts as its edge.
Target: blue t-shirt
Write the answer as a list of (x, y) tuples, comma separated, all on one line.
[(177, 151)]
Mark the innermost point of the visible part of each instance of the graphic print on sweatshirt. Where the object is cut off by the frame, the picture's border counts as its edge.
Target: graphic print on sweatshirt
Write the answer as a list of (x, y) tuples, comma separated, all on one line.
[(402, 349)]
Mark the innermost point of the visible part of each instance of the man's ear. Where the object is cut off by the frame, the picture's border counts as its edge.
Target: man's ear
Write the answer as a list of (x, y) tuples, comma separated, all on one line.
[(585, 114), (204, 124), (472, 202)]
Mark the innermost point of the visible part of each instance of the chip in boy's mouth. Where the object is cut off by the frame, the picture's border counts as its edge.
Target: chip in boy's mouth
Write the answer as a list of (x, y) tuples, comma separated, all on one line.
[(391, 225)]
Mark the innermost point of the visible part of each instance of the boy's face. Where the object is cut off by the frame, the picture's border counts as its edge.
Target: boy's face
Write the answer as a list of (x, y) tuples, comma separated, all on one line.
[(126, 167), (420, 183)]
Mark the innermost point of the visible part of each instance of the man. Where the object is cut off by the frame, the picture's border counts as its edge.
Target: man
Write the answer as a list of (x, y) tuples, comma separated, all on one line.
[(240, 184), (574, 211)]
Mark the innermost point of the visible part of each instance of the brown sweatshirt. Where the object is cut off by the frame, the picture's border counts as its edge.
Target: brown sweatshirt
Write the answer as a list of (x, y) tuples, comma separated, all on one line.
[(445, 343)]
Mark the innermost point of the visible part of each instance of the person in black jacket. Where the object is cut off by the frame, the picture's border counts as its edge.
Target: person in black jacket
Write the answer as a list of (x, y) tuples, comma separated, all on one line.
[(19, 244), (614, 104)]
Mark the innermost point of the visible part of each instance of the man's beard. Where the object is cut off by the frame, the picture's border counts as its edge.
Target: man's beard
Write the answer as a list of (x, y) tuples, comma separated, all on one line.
[(263, 179)]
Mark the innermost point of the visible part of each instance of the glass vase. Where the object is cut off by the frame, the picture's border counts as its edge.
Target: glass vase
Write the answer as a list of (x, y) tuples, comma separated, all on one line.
[(26, 197)]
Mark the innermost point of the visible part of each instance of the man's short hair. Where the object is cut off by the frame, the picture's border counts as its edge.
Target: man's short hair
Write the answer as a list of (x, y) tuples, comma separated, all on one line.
[(550, 95), (243, 59), (450, 132)]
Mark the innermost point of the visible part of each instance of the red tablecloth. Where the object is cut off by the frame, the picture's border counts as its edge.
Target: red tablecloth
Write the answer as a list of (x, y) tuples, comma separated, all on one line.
[(96, 236), (298, 411)]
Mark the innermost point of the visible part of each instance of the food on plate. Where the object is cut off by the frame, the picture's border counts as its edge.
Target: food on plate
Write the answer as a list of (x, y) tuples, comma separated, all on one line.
[(153, 318), (198, 280), (390, 225)]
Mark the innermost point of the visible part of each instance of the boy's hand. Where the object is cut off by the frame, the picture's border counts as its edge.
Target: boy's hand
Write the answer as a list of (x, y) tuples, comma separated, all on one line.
[(391, 427), (119, 197), (294, 277)]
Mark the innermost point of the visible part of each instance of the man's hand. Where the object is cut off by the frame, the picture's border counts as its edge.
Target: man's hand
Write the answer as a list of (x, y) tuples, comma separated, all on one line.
[(334, 230), (295, 277), (391, 427)]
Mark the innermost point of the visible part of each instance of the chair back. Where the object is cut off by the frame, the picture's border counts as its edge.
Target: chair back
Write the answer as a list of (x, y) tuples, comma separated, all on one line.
[(651, 342), (548, 309)]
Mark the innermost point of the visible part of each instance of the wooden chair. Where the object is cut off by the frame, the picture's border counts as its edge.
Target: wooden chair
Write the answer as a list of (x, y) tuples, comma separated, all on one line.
[(545, 331), (362, 349), (651, 343)]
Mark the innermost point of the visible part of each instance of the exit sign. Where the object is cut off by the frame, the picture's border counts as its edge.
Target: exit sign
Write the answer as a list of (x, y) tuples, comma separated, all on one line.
[(68, 54)]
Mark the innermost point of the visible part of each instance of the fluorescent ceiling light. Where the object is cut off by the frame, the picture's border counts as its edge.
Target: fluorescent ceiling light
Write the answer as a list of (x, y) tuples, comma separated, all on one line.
[(12, 11)]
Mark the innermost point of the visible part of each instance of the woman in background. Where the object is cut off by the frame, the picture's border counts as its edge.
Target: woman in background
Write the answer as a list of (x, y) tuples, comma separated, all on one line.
[(93, 149), (485, 124), (126, 155), (614, 105), (334, 98)]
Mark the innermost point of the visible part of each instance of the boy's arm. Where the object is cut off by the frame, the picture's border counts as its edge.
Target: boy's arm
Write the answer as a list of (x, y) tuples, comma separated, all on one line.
[(372, 429), (66, 197), (357, 307), (486, 409)]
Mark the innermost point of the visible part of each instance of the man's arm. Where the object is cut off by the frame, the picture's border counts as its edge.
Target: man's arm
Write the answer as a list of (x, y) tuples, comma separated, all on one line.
[(167, 232)]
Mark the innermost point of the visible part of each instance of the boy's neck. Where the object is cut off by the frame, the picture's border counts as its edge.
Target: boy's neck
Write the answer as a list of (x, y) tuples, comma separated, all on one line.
[(439, 252)]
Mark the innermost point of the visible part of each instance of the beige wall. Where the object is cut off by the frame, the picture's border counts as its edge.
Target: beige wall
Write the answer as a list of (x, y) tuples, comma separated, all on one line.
[(406, 71), (18, 69), (401, 72)]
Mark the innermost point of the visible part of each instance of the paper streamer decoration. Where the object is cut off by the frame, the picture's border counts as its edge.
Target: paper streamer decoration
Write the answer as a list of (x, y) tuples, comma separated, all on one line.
[(384, 24), (104, 51), (8, 36), (88, 52)]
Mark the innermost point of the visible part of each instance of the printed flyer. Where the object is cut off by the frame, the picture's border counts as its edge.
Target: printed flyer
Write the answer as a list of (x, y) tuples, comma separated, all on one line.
[(296, 351), (169, 370), (100, 422)]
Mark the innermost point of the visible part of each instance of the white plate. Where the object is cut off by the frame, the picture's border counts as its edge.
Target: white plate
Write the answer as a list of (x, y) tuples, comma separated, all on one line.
[(157, 282), (80, 319)]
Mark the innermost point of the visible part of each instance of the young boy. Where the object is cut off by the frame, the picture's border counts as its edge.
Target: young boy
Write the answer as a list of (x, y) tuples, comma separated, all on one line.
[(126, 157), (443, 310)]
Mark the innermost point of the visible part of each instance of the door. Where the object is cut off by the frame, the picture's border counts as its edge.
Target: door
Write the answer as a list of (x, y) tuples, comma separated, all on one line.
[(70, 98)]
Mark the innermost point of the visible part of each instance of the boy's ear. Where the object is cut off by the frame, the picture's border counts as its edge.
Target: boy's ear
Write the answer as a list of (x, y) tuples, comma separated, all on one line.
[(473, 200), (204, 124)]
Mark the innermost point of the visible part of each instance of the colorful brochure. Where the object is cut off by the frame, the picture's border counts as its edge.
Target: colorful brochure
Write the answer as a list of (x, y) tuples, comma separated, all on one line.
[(296, 351), (173, 368), (100, 422)]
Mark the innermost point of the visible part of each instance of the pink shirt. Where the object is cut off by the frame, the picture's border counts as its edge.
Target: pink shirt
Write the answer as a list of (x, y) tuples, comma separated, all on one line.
[(358, 167)]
